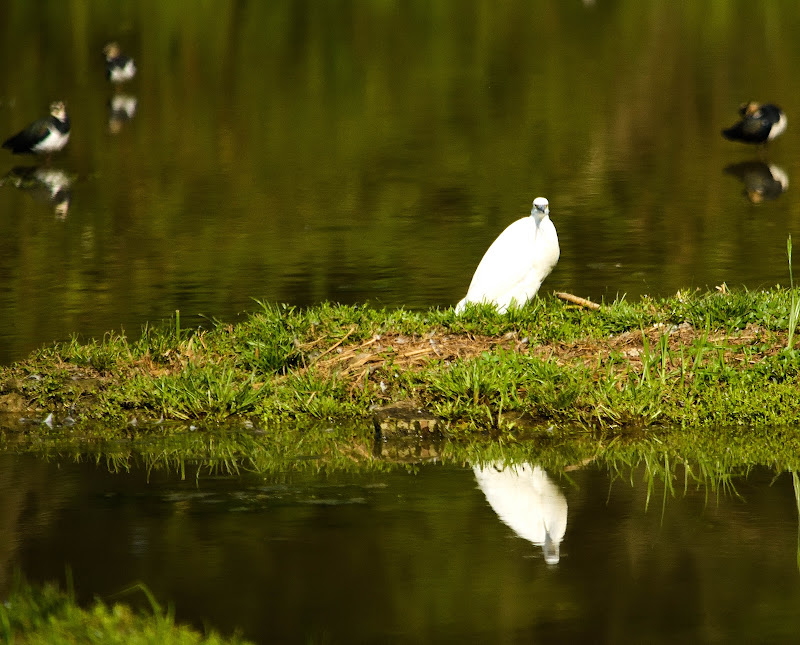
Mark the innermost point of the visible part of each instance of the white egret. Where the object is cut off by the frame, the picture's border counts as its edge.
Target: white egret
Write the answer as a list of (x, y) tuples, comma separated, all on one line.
[(517, 262), (526, 499)]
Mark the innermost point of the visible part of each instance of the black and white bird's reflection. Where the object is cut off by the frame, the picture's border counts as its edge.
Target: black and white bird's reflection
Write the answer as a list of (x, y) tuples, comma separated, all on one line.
[(762, 182), (44, 184), (528, 501), (121, 109)]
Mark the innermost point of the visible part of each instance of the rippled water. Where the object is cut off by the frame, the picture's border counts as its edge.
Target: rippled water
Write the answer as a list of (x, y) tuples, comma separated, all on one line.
[(434, 556), (371, 151)]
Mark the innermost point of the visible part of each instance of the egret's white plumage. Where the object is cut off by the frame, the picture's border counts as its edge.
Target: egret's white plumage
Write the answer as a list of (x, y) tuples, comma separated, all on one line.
[(526, 499), (513, 268)]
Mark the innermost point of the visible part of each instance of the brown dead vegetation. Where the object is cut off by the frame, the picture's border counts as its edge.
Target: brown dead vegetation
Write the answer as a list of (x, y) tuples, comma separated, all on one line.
[(415, 352)]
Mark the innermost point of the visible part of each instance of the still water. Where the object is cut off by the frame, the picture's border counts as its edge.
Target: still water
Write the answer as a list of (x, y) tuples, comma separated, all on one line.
[(298, 152), (431, 556)]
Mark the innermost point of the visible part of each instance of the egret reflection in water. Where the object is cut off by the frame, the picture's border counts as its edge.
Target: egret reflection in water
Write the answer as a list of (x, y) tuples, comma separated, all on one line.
[(762, 182), (44, 184), (528, 501)]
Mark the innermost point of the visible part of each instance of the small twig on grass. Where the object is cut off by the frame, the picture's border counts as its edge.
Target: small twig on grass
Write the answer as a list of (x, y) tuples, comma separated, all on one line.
[(335, 345), (577, 300)]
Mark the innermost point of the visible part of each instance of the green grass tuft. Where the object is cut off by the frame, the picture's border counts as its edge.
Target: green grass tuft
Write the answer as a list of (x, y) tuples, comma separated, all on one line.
[(45, 615)]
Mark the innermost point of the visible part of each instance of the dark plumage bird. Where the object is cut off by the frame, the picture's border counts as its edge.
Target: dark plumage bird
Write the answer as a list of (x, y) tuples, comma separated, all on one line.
[(44, 136), (119, 68), (760, 123)]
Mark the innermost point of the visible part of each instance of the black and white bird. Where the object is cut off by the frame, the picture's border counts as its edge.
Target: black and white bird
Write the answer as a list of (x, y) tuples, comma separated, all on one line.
[(44, 136), (760, 123), (512, 270), (119, 68)]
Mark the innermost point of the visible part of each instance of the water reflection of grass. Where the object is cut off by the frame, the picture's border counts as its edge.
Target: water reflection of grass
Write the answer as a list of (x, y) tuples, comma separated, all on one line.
[(672, 463), (708, 458)]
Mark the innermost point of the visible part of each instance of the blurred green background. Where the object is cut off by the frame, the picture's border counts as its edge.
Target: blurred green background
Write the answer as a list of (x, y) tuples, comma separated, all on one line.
[(371, 151)]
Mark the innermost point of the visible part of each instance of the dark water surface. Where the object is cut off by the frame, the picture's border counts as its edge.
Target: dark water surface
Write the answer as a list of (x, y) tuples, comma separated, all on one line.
[(401, 557), (370, 151)]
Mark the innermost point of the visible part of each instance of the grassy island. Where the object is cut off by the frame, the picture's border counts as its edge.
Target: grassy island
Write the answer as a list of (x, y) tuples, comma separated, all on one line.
[(715, 359)]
